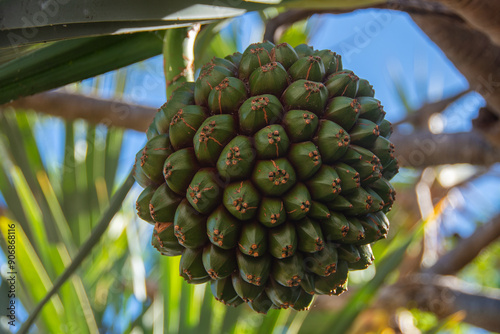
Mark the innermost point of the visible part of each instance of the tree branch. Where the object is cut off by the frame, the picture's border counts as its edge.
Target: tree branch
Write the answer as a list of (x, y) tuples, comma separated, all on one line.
[(423, 149), (488, 123), (419, 149), (481, 14), (444, 296), (420, 118), (467, 249), (94, 110), (471, 52), (278, 24)]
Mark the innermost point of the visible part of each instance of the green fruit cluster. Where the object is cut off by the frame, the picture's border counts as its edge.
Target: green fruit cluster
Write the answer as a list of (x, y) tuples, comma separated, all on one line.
[(269, 175)]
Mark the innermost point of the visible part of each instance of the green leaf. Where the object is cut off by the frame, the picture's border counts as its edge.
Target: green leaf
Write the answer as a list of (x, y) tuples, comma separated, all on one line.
[(24, 153), (114, 139), (31, 21), (297, 34), (447, 324), (170, 288), (297, 322), (270, 321), (68, 182), (206, 311), (31, 211), (209, 43), (11, 197), (85, 250), (32, 272), (91, 171), (187, 301), (231, 318), (56, 211), (72, 60), (107, 261)]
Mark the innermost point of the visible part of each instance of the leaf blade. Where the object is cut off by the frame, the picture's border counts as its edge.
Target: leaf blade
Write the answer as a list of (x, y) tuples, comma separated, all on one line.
[(68, 63), (85, 250)]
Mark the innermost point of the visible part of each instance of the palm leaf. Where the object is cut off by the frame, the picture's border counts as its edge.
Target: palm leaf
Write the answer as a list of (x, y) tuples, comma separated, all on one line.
[(114, 138), (23, 152), (43, 68), (209, 43), (69, 198), (84, 251), (33, 70), (51, 257), (33, 276), (33, 22), (11, 197), (72, 60)]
